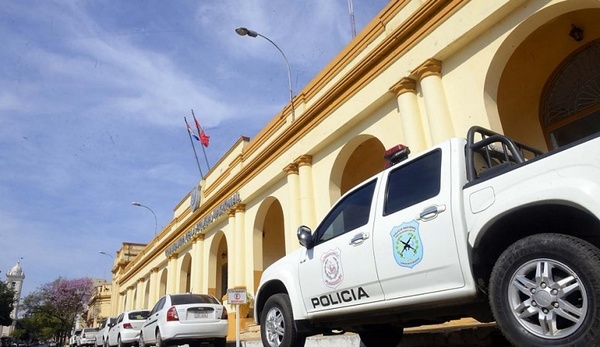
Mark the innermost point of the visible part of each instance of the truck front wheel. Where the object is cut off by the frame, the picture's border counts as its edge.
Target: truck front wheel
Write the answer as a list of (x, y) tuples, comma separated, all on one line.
[(277, 323), (545, 291)]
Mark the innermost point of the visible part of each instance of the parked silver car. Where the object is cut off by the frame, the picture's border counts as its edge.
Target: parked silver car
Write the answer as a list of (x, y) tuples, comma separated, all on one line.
[(179, 319), (102, 334), (126, 330)]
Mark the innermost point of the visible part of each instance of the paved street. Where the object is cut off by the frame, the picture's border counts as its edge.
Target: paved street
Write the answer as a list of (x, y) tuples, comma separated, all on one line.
[(463, 333)]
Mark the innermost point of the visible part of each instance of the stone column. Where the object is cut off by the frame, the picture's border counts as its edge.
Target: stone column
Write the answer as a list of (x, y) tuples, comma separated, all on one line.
[(153, 287), (197, 266), (410, 116), (239, 258), (436, 105), (141, 293), (293, 214), (307, 199), (130, 299), (172, 276)]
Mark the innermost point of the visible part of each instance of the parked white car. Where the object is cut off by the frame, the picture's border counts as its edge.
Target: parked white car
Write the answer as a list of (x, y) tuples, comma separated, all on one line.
[(103, 332), (87, 337), (127, 328), (179, 319), (73, 338)]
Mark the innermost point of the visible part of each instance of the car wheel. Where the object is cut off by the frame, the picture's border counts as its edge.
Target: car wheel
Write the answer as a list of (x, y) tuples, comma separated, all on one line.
[(220, 342), (119, 343), (277, 324), (159, 341), (141, 341), (381, 336), (545, 291)]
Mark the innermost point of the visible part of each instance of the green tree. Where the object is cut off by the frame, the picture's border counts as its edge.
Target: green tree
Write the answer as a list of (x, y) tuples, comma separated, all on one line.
[(53, 307), (7, 299)]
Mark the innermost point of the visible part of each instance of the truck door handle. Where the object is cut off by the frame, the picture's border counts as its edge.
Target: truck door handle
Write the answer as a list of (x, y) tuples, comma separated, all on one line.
[(431, 212), (359, 238)]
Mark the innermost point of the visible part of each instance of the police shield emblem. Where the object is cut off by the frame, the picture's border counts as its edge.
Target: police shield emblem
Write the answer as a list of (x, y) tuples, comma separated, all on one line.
[(331, 262), (407, 245)]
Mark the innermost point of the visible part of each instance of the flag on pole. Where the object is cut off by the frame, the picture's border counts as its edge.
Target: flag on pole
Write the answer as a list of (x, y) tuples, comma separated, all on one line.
[(191, 131), (204, 139)]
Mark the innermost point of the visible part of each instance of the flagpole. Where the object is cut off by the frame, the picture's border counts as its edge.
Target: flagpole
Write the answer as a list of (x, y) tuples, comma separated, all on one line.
[(203, 150), (194, 148)]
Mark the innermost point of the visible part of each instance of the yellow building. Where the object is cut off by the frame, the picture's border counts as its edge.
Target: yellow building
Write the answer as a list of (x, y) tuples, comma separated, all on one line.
[(419, 73), (98, 308)]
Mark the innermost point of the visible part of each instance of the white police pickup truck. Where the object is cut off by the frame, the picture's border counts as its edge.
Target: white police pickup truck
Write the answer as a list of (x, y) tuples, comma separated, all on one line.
[(481, 227)]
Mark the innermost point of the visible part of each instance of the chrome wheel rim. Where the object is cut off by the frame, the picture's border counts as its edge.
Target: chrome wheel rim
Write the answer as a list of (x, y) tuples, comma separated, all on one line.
[(548, 298), (274, 327)]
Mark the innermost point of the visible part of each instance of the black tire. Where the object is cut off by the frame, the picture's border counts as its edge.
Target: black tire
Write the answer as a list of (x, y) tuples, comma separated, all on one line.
[(277, 326), (220, 342), (159, 342), (545, 291), (119, 343), (381, 336), (141, 341)]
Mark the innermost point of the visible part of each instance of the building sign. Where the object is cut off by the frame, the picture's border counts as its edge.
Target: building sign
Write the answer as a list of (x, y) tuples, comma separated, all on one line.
[(195, 198), (204, 223), (236, 296)]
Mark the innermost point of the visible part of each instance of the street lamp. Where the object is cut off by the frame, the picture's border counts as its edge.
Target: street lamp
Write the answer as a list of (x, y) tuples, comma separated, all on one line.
[(135, 203), (251, 33), (108, 255)]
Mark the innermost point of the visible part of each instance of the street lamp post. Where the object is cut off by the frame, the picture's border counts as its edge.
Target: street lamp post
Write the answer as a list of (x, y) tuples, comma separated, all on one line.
[(135, 203), (251, 33), (110, 256), (106, 254)]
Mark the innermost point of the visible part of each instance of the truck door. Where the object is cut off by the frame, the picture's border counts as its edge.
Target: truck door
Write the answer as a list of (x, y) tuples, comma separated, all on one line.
[(339, 271), (414, 239)]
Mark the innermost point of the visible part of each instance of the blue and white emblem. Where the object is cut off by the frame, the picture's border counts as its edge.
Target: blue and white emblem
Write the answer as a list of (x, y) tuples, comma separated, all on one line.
[(407, 245)]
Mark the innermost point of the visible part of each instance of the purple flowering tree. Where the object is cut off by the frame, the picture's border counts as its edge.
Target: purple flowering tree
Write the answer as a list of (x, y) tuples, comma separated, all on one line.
[(59, 302)]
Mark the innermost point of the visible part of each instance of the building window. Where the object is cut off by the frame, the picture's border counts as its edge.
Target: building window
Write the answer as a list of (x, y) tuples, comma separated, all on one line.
[(570, 104)]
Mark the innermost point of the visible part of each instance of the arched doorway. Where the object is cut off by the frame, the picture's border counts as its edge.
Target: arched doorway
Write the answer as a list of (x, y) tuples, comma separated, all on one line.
[(218, 271), (546, 72), (185, 274), (162, 287), (571, 100), (147, 295), (269, 236), (361, 158)]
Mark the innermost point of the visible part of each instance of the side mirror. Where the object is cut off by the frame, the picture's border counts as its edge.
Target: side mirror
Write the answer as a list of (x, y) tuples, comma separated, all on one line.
[(305, 237)]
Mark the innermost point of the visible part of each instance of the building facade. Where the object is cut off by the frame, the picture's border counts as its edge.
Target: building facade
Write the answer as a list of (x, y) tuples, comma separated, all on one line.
[(98, 308), (419, 73)]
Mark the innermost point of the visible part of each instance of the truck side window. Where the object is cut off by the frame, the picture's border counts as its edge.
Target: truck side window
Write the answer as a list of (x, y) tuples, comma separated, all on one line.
[(414, 182), (350, 213)]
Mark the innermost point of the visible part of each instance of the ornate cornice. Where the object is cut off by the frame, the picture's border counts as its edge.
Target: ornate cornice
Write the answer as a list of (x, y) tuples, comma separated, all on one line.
[(303, 160), (405, 85), (240, 208), (431, 67), (291, 169)]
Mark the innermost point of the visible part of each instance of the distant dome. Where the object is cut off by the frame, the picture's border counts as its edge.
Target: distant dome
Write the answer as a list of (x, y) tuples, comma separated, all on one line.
[(16, 271)]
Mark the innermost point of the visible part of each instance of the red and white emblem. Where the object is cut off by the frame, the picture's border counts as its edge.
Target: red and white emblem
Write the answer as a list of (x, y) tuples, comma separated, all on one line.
[(331, 262)]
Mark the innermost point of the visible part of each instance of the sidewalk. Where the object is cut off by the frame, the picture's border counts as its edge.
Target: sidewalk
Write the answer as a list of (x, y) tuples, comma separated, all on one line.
[(464, 332)]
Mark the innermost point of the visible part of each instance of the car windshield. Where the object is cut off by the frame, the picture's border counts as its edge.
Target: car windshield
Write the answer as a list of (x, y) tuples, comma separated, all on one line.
[(193, 299), (138, 315)]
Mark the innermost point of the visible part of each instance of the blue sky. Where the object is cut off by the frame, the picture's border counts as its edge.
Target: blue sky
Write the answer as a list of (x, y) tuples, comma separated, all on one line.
[(92, 100)]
